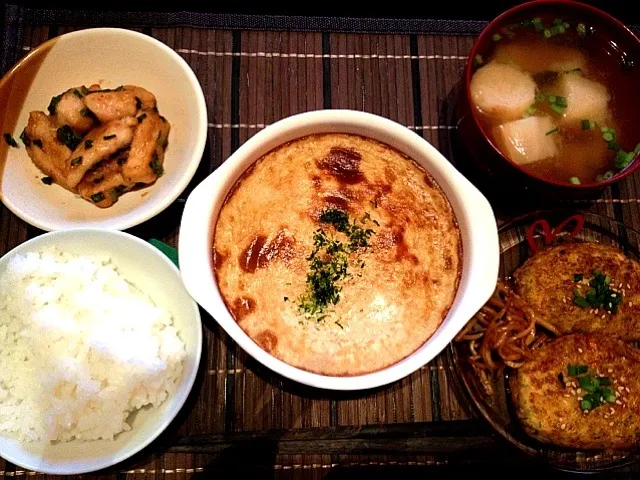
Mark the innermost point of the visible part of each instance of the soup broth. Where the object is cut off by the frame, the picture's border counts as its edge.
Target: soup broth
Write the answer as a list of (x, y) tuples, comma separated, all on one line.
[(557, 98)]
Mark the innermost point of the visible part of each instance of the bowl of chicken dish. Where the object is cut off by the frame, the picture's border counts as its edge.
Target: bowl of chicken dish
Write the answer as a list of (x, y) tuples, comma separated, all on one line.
[(102, 127)]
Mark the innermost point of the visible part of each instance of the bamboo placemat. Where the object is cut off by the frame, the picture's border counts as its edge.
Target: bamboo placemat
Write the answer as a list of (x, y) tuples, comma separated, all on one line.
[(242, 418)]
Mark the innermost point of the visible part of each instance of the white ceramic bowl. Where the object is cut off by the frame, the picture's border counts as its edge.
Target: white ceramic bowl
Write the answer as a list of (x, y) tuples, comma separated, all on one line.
[(146, 267), (472, 210), (110, 57)]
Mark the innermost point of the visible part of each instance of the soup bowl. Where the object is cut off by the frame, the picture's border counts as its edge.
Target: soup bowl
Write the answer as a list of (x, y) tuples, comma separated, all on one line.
[(475, 219), (485, 155)]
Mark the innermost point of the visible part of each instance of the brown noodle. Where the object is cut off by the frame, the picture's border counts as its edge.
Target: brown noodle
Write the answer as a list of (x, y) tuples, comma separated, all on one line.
[(503, 333)]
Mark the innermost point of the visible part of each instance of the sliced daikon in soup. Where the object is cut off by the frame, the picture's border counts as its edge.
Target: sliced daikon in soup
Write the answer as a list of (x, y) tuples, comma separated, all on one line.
[(535, 57), (502, 91), (586, 99), (528, 140)]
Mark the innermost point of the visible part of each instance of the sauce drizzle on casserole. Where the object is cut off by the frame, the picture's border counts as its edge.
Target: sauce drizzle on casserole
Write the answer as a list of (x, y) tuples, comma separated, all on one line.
[(337, 254)]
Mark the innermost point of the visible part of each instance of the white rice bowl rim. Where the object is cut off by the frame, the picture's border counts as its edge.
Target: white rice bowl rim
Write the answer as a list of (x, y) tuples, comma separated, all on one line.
[(18, 452)]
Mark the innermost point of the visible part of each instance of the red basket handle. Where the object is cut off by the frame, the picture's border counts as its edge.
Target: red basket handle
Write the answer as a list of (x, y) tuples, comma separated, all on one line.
[(549, 234)]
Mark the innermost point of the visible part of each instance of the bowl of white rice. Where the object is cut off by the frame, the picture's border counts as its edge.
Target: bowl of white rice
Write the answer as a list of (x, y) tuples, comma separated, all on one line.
[(99, 348)]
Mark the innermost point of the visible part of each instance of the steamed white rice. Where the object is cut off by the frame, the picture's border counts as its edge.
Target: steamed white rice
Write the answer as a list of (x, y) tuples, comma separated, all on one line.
[(80, 348)]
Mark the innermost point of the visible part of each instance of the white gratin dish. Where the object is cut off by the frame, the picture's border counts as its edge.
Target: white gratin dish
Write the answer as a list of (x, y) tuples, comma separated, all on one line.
[(472, 210)]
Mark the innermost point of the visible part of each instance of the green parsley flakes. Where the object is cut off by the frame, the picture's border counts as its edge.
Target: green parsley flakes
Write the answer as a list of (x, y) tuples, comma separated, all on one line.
[(10, 140), (329, 261)]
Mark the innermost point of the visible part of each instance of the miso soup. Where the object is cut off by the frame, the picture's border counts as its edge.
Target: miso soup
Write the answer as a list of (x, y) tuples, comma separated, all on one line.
[(557, 97)]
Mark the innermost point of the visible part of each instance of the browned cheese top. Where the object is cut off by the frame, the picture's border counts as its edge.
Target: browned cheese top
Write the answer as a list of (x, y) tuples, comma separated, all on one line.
[(398, 288)]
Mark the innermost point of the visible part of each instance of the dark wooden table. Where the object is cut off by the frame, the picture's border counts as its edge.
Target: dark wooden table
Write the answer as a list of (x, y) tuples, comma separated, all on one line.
[(254, 70)]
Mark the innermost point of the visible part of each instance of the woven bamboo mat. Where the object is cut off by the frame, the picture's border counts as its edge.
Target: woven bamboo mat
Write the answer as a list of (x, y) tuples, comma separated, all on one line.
[(241, 417)]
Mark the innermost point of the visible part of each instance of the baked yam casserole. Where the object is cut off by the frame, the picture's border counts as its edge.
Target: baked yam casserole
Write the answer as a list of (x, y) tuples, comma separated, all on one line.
[(337, 254)]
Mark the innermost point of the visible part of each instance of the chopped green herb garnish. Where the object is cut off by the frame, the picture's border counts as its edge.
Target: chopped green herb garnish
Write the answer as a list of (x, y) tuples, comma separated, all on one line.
[(155, 164), (109, 137), (47, 180), (557, 27), (607, 136), (138, 103), (558, 103), (24, 136), (286, 299), (142, 117), (88, 144), (496, 37), (37, 142), (586, 124), (537, 24), (117, 191), (10, 140), (77, 93), (76, 161), (577, 277), (588, 383), (623, 159), (478, 60), (329, 262), (67, 136), (574, 181), (557, 108), (84, 90), (54, 103), (581, 29), (97, 197), (530, 111), (98, 180), (575, 370), (605, 176), (637, 149), (599, 295), (85, 112), (550, 132), (580, 301), (597, 389)]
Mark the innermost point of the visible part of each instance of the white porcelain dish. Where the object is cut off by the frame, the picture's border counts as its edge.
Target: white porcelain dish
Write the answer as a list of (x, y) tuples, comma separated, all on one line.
[(472, 210), (110, 57), (147, 268)]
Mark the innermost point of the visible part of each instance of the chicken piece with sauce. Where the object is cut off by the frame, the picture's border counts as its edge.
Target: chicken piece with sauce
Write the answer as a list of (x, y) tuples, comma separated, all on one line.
[(69, 109), (121, 102), (99, 143), (146, 157), (48, 153), (104, 184)]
